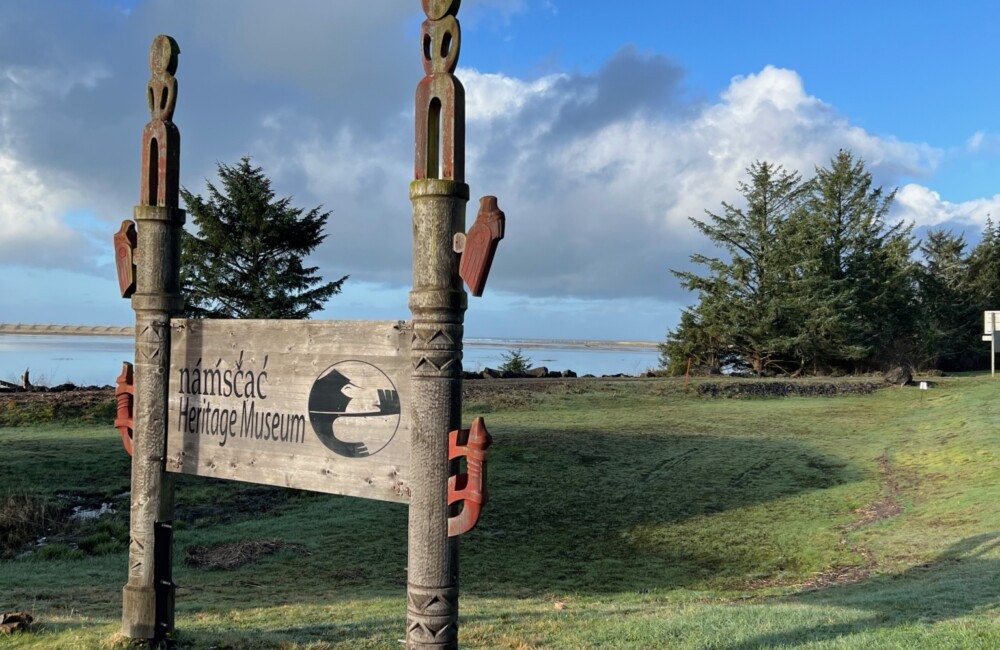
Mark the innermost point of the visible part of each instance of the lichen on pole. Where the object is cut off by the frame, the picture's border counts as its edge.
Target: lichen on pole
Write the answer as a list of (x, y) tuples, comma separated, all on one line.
[(148, 596), (437, 303)]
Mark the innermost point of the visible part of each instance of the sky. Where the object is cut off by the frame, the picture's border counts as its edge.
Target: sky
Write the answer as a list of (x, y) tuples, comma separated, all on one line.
[(602, 127)]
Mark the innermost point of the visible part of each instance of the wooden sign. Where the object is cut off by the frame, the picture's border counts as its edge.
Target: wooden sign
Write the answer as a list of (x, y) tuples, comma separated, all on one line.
[(314, 405)]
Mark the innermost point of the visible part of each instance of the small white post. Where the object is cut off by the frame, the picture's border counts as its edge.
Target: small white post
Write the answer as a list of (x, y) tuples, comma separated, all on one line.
[(993, 344)]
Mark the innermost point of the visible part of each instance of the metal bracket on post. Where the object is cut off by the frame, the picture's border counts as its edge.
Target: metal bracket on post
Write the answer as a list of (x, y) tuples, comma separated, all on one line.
[(468, 488)]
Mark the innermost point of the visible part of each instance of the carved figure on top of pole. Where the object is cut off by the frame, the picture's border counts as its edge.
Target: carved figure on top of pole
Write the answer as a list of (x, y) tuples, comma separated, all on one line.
[(148, 597)]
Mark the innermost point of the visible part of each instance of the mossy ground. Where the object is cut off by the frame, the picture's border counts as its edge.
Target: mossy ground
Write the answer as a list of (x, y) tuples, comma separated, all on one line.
[(629, 514)]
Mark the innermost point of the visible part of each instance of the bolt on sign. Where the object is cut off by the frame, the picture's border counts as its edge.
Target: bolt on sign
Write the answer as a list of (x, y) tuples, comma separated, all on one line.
[(314, 405)]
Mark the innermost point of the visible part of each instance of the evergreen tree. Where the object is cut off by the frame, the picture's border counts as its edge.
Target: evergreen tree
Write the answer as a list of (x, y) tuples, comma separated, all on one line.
[(949, 314), (984, 283), (984, 269), (855, 290), (740, 318), (247, 259), (698, 339)]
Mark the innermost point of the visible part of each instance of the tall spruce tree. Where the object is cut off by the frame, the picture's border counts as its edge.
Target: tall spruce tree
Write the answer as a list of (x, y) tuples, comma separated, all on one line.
[(246, 261), (855, 292), (949, 312), (984, 269), (740, 319)]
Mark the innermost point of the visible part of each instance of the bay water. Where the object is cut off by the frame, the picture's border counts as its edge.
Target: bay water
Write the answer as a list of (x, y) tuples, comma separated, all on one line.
[(97, 360)]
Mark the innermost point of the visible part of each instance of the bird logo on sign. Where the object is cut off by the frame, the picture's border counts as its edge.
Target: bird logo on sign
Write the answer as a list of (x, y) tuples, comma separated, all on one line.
[(354, 409)]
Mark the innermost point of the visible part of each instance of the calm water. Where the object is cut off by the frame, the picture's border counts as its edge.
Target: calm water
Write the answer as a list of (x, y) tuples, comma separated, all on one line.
[(97, 360)]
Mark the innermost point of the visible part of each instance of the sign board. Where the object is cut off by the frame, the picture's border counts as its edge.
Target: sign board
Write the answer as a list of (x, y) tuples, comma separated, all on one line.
[(314, 405), (990, 318)]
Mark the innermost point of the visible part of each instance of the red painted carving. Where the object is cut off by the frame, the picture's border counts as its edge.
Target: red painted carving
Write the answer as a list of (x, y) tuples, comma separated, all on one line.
[(481, 244), (125, 395), (161, 140), (468, 487), (440, 104), (125, 242)]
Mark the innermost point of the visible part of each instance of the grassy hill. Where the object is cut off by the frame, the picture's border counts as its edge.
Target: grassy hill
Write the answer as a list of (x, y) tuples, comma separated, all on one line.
[(624, 514)]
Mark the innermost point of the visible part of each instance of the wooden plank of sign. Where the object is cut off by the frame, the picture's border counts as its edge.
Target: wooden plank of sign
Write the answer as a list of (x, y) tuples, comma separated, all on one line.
[(313, 405)]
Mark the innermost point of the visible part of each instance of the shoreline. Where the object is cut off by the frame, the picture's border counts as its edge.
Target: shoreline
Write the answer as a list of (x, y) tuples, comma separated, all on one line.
[(11, 329)]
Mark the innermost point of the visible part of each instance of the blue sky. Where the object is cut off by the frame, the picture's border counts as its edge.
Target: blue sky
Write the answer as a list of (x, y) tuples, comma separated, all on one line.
[(600, 126)]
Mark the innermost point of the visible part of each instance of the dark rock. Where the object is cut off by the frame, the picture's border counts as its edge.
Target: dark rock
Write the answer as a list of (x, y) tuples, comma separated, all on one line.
[(490, 373), (539, 372), (510, 374), (62, 388), (899, 376), (568, 373), (554, 374), (759, 389), (470, 375)]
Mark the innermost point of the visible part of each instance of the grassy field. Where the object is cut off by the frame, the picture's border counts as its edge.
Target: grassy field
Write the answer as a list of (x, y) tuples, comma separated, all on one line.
[(624, 514)]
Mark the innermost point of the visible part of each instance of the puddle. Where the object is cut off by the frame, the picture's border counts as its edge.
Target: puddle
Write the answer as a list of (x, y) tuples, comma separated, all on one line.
[(87, 513)]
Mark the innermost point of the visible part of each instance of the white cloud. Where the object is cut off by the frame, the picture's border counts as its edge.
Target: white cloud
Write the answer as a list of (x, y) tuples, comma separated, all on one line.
[(983, 143), (32, 232), (925, 207), (602, 211), (493, 96), (597, 172)]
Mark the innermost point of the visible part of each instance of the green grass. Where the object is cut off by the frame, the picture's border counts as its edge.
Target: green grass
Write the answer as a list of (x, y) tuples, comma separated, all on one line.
[(657, 519)]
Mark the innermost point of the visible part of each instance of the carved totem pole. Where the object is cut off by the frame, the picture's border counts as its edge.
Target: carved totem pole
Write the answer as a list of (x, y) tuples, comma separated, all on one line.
[(442, 256), (438, 304), (148, 597)]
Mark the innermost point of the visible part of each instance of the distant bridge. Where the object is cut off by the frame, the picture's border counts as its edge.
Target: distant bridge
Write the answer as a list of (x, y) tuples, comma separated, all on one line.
[(67, 330)]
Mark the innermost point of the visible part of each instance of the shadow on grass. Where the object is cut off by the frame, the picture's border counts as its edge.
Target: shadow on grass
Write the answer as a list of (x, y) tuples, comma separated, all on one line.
[(961, 581), (596, 512), (573, 510)]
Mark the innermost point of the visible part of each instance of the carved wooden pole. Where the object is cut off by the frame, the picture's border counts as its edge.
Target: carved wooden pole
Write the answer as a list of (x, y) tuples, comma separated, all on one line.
[(148, 597), (437, 302)]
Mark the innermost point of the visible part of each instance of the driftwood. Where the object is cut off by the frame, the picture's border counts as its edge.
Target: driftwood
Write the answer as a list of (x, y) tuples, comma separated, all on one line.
[(7, 387), (15, 622)]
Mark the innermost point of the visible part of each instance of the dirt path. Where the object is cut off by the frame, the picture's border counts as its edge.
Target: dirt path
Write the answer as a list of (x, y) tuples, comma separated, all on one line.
[(885, 508)]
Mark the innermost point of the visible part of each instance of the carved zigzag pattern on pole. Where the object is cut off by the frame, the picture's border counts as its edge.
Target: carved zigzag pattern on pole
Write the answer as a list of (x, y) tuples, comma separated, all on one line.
[(444, 359), (433, 338), (432, 606), (429, 631), (437, 362), (420, 603)]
